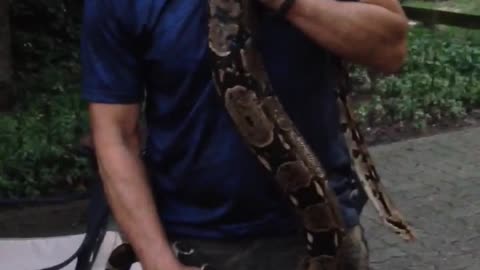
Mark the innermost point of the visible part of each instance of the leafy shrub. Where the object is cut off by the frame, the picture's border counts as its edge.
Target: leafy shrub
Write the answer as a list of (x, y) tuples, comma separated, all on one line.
[(45, 32), (37, 141), (441, 80)]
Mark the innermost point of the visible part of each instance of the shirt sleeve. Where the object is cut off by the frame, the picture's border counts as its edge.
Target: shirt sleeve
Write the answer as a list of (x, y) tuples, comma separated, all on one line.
[(111, 67)]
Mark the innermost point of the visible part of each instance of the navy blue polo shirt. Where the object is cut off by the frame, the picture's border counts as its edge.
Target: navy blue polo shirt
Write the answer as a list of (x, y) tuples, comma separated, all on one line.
[(206, 181)]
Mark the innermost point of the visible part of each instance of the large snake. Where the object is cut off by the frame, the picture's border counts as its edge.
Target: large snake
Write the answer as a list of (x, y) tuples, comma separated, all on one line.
[(245, 90)]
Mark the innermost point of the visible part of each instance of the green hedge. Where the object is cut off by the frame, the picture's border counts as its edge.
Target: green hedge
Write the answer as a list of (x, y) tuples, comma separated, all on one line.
[(37, 140), (440, 81)]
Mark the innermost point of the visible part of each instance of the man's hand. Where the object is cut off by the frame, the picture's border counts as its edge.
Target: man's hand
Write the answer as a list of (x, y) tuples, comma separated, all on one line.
[(369, 32), (170, 267)]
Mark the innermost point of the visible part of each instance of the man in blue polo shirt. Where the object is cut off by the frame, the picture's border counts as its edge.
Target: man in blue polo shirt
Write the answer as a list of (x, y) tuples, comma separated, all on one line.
[(197, 180)]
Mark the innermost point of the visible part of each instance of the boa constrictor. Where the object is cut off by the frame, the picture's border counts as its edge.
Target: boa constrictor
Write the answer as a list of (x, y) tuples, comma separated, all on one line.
[(243, 85)]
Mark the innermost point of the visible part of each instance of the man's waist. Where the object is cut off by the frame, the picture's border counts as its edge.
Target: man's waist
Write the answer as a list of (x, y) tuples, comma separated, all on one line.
[(272, 224)]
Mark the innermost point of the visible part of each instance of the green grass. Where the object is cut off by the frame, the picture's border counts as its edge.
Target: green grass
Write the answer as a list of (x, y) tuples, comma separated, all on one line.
[(461, 35), (462, 6), (451, 33), (458, 34)]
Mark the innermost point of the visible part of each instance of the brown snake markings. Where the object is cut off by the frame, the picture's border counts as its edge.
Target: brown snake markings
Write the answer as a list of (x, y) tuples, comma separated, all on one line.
[(244, 88)]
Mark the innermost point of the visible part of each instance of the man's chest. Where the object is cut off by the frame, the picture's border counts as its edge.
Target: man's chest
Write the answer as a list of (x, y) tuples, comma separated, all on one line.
[(177, 54)]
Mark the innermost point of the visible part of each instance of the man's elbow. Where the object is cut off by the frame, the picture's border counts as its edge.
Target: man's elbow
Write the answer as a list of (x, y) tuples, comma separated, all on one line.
[(393, 56), (393, 59)]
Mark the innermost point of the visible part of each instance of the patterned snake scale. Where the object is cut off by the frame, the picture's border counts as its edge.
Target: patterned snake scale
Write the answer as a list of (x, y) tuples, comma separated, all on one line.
[(243, 85)]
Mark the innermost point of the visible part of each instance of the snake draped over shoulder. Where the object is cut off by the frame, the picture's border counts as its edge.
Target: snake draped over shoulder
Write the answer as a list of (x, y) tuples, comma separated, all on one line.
[(243, 86)]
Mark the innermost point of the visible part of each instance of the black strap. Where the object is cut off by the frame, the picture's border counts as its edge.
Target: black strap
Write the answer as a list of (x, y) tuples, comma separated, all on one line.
[(98, 212)]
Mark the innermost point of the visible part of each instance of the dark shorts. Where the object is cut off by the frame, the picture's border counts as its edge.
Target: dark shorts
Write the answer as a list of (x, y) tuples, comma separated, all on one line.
[(279, 253)]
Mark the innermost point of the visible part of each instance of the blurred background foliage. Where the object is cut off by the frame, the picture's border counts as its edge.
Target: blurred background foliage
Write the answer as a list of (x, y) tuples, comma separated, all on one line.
[(39, 135)]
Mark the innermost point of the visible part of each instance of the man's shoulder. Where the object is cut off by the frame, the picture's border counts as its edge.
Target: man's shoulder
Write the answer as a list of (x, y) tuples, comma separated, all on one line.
[(130, 15)]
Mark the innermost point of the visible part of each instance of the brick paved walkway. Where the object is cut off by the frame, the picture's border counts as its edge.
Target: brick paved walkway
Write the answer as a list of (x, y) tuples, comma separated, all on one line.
[(435, 181)]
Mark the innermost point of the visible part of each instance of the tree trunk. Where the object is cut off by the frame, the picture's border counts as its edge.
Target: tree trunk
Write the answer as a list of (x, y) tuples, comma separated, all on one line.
[(6, 84)]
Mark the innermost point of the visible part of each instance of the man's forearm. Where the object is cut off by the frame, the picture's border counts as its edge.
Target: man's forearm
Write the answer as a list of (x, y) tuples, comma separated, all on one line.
[(370, 32), (132, 203)]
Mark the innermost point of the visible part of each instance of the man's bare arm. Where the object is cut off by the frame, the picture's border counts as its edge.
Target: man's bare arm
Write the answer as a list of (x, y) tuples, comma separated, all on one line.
[(117, 144), (370, 32)]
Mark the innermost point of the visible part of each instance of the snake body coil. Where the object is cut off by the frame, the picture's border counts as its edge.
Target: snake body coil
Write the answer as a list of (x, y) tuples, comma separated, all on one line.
[(245, 90)]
